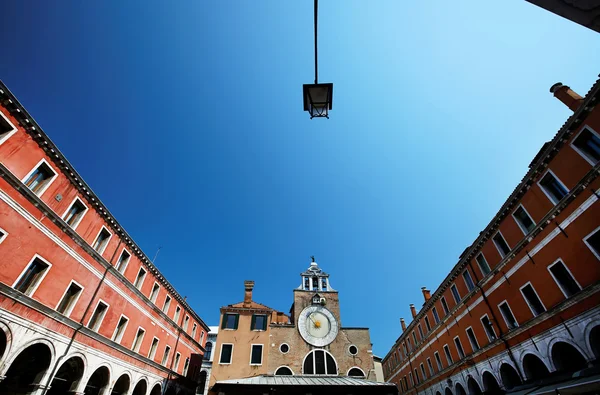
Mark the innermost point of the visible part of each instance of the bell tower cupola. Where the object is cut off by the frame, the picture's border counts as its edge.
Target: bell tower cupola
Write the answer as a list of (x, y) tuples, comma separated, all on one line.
[(314, 279)]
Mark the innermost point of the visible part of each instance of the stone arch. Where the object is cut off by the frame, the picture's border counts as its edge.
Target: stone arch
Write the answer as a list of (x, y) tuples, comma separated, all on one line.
[(566, 357), (460, 390), (490, 383), (24, 346), (68, 376), (510, 377), (592, 339), (438, 393), (355, 371), (448, 391), (157, 389), (28, 366), (141, 387), (473, 386), (284, 371), (534, 367), (5, 341), (122, 385), (98, 381)]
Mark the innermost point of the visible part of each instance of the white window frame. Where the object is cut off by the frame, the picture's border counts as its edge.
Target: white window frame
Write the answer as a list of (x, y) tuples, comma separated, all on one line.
[(556, 280), (123, 251), (465, 280), (585, 240), (67, 312), (262, 348), (438, 360), (221, 353), (502, 254), (141, 284), (445, 305), (186, 322), (152, 353), (10, 132), (412, 383), (527, 301), (486, 262), (133, 347), (3, 236), (177, 360), (491, 327), (475, 349), (457, 293), (99, 324), (194, 330), (39, 281), (107, 240), (85, 210), (524, 230), (544, 189), (448, 354), (571, 144), (50, 181), (167, 299), (461, 346), (154, 297), (114, 335), (165, 358), (504, 317), (177, 314), (423, 371)]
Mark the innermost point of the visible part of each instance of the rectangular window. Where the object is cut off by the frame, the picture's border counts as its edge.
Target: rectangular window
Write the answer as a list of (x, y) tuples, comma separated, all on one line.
[(436, 317), (593, 242), (165, 358), (137, 342), (40, 178), (501, 244), (553, 187), (226, 353), (102, 240), (186, 322), (438, 360), (488, 327), (483, 265), (120, 329), (459, 348), (98, 316), (69, 299), (421, 332), (414, 338), (139, 280), (123, 261), (448, 355), (256, 354), (154, 293), (186, 364), (176, 316), (194, 329), (230, 321), (31, 278), (423, 372), (176, 364), (167, 304), (427, 324), (404, 349), (153, 348), (587, 143), (411, 379), (532, 299), (468, 280), (6, 128), (455, 293), (523, 219), (259, 322), (430, 366), (472, 339), (444, 305), (508, 316), (3, 235), (75, 213), (417, 376), (564, 279)]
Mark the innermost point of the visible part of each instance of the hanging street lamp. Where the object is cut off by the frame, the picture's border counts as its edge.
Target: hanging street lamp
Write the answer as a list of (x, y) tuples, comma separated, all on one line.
[(317, 97)]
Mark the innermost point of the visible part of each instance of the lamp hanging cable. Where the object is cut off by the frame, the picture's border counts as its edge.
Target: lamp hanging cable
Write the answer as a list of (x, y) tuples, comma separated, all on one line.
[(316, 59)]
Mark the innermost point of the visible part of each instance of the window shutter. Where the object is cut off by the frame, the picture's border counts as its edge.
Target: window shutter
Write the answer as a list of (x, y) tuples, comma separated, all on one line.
[(237, 318), (224, 321), (253, 325)]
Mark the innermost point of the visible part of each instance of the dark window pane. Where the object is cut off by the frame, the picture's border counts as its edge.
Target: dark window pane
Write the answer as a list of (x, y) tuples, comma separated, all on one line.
[(565, 280), (533, 300), (230, 320), (553, 187), (309, 364), (594, 242), (468, 280), (483, 265), (589, 144), (524, 220), (31, 276), (319, 362), (445, 305), (455, 293), (501, 244), (256, 357), (226, 353), (461, 352), (435, 315), (331, 367), (69, 298), (489, 330), (511, 322)]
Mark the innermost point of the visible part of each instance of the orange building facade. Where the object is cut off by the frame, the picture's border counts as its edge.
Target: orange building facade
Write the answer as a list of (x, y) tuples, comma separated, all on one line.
[(520, 309), (82, 309)]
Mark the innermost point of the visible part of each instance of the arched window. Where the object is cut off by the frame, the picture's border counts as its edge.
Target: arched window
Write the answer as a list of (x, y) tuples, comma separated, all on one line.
[(208, 351), (319, 362), (284, 371), (356, 372)]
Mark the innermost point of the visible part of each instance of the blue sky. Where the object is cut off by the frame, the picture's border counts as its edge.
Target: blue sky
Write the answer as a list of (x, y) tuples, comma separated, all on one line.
[(186, 119)]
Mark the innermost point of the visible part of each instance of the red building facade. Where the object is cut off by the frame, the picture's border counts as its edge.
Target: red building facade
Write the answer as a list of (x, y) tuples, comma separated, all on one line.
[(521, 307), (82, 309)]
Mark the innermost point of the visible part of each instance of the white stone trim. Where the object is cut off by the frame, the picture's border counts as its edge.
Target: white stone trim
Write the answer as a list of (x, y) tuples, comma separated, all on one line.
[(35, 286), (583, 154), (50, 181), (85, 210), (69, 310), (8, 134)]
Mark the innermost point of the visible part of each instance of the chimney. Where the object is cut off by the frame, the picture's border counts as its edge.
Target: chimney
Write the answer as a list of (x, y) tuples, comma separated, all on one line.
[(413, 311), (569, 98), (426, 293), (403, 324), (248, 286)]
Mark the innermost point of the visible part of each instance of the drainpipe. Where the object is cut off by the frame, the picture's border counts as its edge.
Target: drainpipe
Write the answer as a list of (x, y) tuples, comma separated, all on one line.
[(510, 354), (81, 325)]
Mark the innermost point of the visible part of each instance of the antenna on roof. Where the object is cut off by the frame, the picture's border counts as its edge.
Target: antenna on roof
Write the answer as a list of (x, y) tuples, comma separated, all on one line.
[(155, 255)]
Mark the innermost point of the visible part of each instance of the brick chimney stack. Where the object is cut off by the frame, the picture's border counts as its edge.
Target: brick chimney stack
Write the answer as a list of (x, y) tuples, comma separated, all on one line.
[(569, 98), (426, 293), (248, 286), (403, 324), (413, 311)]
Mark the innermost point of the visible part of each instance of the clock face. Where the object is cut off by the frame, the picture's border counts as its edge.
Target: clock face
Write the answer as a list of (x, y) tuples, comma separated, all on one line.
[(317, 326)]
